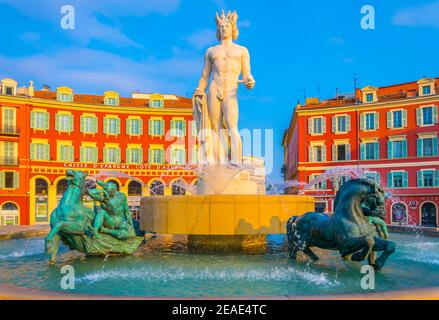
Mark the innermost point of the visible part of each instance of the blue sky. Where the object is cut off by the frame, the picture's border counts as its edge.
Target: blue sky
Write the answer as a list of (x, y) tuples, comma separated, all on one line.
[(157, 46)]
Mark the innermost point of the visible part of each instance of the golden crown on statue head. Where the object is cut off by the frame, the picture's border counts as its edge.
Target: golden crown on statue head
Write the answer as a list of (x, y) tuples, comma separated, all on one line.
[(232, 18)]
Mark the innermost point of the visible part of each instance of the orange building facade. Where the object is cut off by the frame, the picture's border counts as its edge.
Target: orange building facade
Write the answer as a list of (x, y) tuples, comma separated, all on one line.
[(145, 144), (389, 134)]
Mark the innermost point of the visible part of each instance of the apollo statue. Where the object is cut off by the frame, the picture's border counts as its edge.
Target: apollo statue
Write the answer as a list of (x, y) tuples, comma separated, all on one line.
[(216, 112)]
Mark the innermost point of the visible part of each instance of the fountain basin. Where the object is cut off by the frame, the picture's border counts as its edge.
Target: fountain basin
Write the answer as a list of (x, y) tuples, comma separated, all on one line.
[(221, 215)]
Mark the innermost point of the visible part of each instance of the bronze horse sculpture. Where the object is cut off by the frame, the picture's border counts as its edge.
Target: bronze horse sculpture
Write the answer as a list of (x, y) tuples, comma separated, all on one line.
[(72, 223), (354, 229)]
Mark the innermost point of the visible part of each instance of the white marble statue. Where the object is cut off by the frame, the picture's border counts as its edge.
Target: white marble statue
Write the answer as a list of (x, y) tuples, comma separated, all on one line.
[(216, 112)]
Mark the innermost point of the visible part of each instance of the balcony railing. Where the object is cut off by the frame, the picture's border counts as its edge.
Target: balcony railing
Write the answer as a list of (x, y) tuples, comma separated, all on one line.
[(8, 161), (9, 131)]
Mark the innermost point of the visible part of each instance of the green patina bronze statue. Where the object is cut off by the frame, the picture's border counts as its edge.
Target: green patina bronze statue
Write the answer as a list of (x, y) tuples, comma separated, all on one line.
[(357, 229), (108, 229)]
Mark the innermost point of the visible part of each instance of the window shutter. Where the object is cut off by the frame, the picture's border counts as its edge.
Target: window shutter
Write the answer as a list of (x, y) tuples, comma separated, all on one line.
[(324, 185), (140, 155), (81, 124), (95, 125), (323, 153), (140, 126), (348, 152), (389, 120), (72, 152), (377, 150), (47, 151), (419, 145), (117, 126), (362, 151), (118, 155), (162, 156), (435, 115), (420, 177), (32, 120), (82, 154), (32, 151), (71, 123), (435, 147), (324, 125), (16, 180), (362, 120), (46, 118), (377, 120), (128, 126), (390, 179), (2, 180), (105, 125), (310, 126), (150, 127), (436, 178), (162, 127), (184, 128), (377, 178), (57, 121), (404, 149), (173, 128), (128, 157), (389, 150), (348, 123), (334, 124), (310, 154), (404, 118), (334, 152), (419, 116), (405, 181), (105, 150)]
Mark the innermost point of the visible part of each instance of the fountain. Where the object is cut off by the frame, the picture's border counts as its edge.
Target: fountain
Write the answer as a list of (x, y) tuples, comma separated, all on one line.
[(227, 210)]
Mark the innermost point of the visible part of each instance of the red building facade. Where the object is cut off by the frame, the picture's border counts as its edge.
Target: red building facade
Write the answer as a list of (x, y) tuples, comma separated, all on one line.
[(145, 144), (387, 134)]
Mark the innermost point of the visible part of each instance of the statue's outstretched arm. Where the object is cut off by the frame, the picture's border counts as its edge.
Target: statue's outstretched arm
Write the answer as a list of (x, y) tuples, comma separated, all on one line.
[(246, 70), (205, 75)]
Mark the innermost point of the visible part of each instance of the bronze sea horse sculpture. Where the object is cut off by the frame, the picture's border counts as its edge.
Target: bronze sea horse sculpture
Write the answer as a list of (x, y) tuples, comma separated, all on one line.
[(357, 228), (81, 229)]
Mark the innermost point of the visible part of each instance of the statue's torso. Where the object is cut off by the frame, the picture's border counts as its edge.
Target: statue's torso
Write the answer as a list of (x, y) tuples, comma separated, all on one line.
[(226, 65)]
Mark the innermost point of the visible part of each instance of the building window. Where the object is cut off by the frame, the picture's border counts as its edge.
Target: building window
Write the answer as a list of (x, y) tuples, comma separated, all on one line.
[(134, 126), (111, 155), (40, 151), (8, 153), (134, 155), (319, 185), (341, 152), (65, 152), (9, 213), (317, 125), (428, 178), (111, 125), (396, 119), (397, 149), (178, 156), (156, 127), (61, 187), (370, 121), (374, 176), (341, 124), (134, 189), (339, 181), (89, 154), (397, 179), (427, 116), (317, 153), (9, 180), (39, 120), (64, 122), (427, 147), (64, 97), (9, 91), (399, 213), (426, 90), (156, 103), (157, 188), (111, 101), (194, 128), (178, 188), (369, 151), (89, 124), (156, 156), (8, 120), (178, 128)]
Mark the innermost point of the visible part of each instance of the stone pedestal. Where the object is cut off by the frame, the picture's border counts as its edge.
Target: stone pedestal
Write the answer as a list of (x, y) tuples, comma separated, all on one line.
[(221, 179)]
